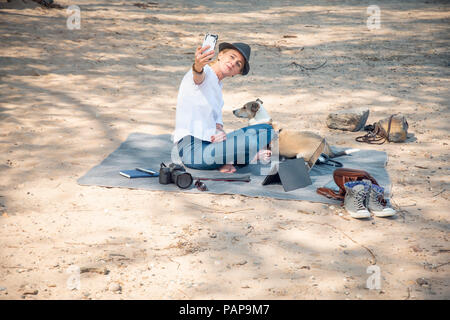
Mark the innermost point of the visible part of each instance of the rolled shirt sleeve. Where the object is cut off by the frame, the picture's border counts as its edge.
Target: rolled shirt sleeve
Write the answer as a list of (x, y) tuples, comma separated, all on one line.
[(199, 107)]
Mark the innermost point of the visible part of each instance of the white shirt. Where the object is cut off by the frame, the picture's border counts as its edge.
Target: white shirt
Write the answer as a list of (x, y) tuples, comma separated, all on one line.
[(199, 107)]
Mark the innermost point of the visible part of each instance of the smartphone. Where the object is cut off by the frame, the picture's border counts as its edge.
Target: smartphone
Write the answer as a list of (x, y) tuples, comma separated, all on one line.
[(211, 40)]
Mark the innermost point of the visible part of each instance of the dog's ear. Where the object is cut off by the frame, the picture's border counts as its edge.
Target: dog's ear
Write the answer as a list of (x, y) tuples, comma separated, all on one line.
[(255, 107), (259, 100)]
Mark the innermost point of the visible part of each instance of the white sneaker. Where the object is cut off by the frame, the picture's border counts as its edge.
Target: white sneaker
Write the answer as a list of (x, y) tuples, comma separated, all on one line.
[(376, 203), (386, 212), (355, 199)]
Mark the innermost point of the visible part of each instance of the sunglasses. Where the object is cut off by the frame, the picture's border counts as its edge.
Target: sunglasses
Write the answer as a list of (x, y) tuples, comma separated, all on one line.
[(200, 185)]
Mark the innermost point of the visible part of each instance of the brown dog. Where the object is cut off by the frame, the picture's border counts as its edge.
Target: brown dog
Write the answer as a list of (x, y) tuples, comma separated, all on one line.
[(291, 143)]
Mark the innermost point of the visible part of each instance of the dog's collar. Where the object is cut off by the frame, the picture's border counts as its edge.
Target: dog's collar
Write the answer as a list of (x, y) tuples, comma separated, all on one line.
[(261, 116)]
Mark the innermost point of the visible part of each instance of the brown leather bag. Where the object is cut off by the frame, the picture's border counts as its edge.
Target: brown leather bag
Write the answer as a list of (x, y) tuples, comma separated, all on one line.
[(342, 176), (391, 129)]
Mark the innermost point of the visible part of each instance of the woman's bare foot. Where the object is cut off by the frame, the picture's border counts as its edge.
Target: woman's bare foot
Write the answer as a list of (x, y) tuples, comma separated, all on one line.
[(262, 155), (228, 168)]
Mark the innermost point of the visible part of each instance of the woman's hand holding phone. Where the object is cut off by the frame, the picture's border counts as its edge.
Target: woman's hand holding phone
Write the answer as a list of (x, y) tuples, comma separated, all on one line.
[(202, 58)]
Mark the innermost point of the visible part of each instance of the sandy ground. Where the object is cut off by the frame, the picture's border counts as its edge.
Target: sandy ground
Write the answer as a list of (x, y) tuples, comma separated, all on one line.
[(68, 98)]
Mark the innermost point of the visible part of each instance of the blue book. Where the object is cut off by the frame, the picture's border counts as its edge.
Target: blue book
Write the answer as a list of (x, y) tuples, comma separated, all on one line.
[(131, 174)]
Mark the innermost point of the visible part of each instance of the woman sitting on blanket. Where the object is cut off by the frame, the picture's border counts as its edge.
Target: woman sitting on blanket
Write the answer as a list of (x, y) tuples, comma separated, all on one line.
[(201, 141)]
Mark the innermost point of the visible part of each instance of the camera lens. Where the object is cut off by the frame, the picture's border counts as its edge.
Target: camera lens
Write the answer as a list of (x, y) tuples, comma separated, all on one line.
[(182, 179)]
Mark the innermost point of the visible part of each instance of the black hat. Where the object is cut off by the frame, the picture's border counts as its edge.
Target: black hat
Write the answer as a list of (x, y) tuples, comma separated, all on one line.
[(243, 48)]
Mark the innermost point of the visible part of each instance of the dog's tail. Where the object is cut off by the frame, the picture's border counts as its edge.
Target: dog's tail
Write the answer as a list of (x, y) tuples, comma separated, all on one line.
[(327, 150), (343, 153)]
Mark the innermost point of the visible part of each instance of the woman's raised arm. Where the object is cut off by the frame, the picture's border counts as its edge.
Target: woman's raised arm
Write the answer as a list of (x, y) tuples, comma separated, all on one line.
[(201, 60)]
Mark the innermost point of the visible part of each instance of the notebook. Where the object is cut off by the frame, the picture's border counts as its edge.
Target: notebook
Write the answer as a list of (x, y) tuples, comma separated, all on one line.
[(139, 173)]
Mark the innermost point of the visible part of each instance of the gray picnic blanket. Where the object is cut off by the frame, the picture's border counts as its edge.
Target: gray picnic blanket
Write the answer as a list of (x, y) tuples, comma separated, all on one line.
[(148, 151)]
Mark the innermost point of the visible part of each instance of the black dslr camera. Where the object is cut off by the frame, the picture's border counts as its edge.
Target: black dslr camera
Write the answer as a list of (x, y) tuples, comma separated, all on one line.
[(175, 173)]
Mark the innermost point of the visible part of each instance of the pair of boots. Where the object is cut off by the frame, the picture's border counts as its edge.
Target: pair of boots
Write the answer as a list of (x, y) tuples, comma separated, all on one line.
[(362, 196)]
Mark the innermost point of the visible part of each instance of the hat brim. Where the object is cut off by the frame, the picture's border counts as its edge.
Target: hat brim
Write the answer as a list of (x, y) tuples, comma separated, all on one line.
[(226, 45)]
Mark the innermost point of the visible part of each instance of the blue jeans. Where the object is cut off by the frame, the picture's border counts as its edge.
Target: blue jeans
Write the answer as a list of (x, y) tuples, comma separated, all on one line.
[(239, 148)]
